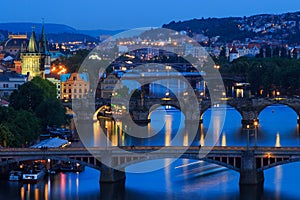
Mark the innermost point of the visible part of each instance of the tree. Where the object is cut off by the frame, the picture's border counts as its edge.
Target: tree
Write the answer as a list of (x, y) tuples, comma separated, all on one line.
[(223, 52), (27, 97), (51, 113), (48, 88), (18, 128), (39, 97), (25, 127), (6, 136)]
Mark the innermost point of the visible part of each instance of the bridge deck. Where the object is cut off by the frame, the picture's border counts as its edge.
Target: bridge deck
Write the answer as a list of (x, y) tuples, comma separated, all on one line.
[(259, 151)]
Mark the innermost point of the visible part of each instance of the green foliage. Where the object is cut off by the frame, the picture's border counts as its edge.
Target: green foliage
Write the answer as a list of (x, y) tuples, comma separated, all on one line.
[(266, 73), (17, 128), (73, 62), (6, 136), (51, 112), (39, 97), (27, 97), (48, 88)]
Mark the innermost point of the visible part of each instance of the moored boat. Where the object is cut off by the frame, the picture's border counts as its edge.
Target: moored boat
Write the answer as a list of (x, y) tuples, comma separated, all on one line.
[(34, 173), (15, 175)]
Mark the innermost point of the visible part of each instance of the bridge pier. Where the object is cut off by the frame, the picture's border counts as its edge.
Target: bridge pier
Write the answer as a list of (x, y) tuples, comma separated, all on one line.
[(110, 175), (251, 123), (107, 173), (248, 172), (250, 192), (109, 191)]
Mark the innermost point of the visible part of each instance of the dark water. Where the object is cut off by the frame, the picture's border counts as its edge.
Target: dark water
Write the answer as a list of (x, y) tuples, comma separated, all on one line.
[(182, 179)]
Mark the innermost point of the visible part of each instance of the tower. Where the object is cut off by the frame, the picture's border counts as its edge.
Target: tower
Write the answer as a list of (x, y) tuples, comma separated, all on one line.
[(36, 58)]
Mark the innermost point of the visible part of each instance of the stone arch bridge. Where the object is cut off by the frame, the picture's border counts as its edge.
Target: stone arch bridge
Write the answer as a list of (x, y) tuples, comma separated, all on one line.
[(249, 162), (140, 108)]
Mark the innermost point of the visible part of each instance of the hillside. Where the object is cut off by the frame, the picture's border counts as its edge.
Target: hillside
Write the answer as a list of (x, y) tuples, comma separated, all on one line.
[(284, 27), (54, 32)]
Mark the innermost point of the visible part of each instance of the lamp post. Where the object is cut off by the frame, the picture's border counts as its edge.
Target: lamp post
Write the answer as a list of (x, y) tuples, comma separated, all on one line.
[(255, 132), (248, 139)]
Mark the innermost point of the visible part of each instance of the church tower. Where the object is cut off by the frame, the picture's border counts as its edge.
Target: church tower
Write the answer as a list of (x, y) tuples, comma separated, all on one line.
[(36, 58)]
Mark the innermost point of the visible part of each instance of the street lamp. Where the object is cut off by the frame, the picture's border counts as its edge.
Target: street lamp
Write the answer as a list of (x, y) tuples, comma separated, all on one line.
[(248, 127), (255, 123)]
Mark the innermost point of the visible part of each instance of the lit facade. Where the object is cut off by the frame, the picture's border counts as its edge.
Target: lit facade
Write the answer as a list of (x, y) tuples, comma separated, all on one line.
[(36, 59), (74, 86)]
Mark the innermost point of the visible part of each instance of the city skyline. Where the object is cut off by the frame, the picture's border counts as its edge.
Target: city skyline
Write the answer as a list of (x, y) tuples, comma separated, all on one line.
[(126, 15)]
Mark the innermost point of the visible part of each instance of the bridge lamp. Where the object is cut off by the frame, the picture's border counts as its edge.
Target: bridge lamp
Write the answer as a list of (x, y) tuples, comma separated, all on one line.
[(248, 139), (49, 160), (255, 123)]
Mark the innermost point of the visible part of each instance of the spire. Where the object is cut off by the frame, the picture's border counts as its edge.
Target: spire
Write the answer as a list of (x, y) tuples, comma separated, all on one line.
[(32, 47), (43, 41)]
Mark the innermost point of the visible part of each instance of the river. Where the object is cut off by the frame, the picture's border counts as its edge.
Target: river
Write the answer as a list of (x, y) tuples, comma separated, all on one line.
[(183, 179)]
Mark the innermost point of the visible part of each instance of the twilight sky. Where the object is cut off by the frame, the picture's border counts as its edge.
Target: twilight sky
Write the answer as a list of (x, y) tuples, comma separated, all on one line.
[(125, 14)]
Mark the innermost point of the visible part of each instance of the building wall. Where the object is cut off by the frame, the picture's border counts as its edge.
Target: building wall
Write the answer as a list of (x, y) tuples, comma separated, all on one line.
[(57, 83), (31, 63), (108, 85), (9, 83), (74, 87)]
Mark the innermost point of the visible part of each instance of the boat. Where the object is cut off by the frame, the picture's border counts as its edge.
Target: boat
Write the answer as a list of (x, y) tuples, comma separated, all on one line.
[(34, 173), (15, 175)]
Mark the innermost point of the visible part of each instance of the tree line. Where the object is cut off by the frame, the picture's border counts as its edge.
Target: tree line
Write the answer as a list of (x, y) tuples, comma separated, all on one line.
[(265, 74)]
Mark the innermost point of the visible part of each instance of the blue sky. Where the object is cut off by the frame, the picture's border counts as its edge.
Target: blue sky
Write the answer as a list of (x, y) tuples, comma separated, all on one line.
[(122, 14)]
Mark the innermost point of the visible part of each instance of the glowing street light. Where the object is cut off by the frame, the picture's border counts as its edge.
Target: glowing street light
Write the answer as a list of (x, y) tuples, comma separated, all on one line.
[(255, 123), (217, 66), (248, 139)]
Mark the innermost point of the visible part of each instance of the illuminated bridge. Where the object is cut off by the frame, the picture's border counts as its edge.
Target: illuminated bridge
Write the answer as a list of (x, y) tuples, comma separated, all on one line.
[(250, 163), (141, 108)]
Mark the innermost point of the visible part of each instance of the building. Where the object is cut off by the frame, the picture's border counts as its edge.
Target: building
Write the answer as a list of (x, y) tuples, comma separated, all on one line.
[(10, 81), (74, 86), (234, 54), (15, 43), (57, 83), (36, 58), (108, 84)]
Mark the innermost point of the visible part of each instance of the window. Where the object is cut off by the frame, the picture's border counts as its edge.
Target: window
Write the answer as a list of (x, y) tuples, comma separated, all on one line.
[(70, 91)]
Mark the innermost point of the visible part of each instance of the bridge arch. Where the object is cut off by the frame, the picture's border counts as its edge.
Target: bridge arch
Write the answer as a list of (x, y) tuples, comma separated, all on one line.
[(279, 163), (262, 108), (101, 108), (184, 156), (220, 105), (155, 106)]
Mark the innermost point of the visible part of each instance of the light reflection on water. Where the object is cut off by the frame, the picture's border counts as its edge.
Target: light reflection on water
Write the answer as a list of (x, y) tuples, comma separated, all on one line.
[(182, 179)]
